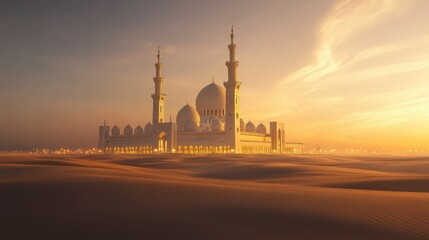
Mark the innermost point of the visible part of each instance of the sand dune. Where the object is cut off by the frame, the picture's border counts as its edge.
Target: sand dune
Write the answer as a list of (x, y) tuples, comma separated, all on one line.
[(213, 197)]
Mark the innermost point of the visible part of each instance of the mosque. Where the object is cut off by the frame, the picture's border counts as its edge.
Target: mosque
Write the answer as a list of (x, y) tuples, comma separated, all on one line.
[(214, 126)]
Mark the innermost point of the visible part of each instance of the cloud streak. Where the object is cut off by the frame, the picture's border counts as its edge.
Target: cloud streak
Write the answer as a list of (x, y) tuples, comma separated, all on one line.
[(353, 84)]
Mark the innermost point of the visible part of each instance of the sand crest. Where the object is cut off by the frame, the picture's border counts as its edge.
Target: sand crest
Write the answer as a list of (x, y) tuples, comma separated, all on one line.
[(213, 197)]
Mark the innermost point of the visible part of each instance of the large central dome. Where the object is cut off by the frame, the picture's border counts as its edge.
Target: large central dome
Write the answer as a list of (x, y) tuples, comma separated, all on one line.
[(211, 97)]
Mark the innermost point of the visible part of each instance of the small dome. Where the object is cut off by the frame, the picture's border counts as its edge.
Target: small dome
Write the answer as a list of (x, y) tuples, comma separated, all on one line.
[(148, 129), (185, 114), (217, 125), (211, 97), (261, 129), (191, 125), (128, 130), (138, 131), (116, 131), (242, 125), (250, 127)]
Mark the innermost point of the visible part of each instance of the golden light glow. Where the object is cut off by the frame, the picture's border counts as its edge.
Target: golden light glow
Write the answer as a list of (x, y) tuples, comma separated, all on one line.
[(366, 85), (342, 75)]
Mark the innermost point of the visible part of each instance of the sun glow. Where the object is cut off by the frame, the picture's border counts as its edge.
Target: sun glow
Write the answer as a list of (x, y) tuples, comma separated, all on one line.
[(341, 74)]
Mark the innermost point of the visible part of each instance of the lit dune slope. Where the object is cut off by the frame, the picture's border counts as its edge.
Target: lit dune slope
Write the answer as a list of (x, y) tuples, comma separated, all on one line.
[(213, 197)]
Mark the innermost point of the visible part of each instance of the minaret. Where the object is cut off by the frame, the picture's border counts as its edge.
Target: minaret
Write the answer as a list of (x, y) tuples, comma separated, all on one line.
[(232, 120), (158, 96), (103, 135)]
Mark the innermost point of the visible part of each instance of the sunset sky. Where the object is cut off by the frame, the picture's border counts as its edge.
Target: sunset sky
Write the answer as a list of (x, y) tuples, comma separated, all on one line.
[(339, 74)]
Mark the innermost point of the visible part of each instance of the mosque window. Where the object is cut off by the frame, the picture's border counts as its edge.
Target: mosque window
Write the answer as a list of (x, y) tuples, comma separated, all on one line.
[(238, 130), (237, 116), (215, 112), (160, 109)]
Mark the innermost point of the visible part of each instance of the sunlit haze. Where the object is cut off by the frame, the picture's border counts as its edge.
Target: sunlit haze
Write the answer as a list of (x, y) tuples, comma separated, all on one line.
[(339, 74)]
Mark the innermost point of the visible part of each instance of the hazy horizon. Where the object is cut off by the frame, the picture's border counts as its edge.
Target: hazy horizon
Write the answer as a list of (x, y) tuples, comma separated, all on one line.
[(340, 74)]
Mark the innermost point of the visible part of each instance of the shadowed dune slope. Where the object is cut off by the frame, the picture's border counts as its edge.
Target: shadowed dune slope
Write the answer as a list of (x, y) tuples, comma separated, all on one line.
[(213, 197)]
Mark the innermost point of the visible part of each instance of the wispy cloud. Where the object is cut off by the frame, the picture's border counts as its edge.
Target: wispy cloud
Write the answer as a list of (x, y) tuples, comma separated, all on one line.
[(334, 93), (348, 19)]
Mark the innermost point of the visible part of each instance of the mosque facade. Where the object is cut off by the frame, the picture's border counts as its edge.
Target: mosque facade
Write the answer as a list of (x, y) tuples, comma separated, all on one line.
[(214, 126)]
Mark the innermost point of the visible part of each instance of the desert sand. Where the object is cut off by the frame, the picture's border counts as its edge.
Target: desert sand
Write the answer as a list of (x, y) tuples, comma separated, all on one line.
[(213, 197)]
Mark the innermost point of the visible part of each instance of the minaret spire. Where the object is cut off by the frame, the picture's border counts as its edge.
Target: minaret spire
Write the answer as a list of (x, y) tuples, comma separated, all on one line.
[(232, 34), (158, 55), (232, 86), (158, 97), (232, 48)]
